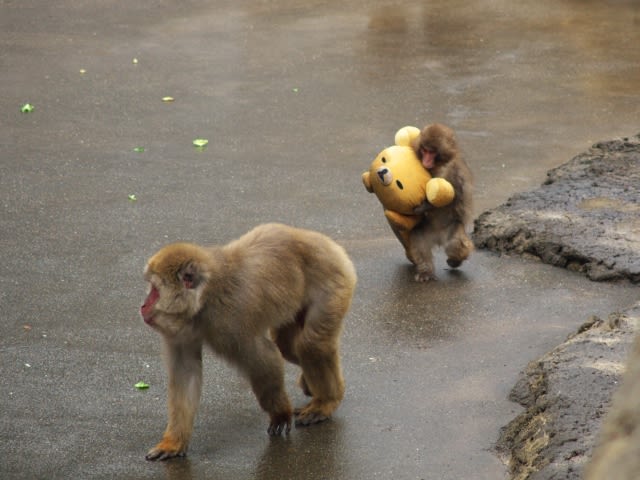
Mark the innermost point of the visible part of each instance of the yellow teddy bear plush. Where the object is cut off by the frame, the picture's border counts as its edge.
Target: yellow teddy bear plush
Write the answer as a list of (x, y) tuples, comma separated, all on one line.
[(401, 183)]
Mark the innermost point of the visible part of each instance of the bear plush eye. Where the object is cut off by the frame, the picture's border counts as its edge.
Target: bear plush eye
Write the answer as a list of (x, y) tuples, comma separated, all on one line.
[(399, 184), (383, 160)]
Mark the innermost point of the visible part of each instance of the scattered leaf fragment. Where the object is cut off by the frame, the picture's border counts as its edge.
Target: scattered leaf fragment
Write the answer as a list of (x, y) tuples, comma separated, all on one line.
[(138, 149), (27, 327), (27, 108), (133, 197), (200, 142), (168, 99), (141, 385), (295, 90)]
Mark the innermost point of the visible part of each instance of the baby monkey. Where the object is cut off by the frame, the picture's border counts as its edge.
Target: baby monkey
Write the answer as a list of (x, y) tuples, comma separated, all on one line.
[(437, 149), (276, 292)]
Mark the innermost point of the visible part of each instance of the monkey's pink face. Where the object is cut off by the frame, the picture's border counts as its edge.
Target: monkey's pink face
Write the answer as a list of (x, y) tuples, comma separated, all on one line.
[(428, 158), (165, 309), (172, 301), (147, 308), (162, 304)]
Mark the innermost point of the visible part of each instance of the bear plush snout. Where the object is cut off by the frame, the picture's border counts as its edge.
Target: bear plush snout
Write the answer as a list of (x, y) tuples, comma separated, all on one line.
[(385, 176)]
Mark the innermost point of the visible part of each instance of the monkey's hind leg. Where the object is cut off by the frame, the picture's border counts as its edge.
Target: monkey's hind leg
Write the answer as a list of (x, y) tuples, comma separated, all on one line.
[(265, 368), (458, 247), (421, 243), (320, 361), (286, 338)]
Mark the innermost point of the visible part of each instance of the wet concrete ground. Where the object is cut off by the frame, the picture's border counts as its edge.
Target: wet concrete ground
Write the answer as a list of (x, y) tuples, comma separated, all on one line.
[(295, 101)]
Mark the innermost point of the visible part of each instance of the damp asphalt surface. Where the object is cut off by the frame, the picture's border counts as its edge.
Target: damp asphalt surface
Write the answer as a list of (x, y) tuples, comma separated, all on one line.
[(295, 99)]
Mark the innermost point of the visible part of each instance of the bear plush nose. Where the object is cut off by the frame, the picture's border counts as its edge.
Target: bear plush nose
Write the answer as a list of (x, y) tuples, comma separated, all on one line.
[(384, 174)]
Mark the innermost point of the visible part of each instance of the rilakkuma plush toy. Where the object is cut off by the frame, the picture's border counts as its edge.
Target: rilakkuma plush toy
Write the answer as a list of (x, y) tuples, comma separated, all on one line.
[(402, 184)]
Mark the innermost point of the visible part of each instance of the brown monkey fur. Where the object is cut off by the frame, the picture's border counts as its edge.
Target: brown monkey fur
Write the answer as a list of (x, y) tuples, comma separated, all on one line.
[(296, 284), (444, 226)]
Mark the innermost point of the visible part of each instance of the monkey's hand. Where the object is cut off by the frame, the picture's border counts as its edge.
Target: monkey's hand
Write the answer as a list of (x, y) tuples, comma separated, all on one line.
[(423, 208), (167, 449), (280, 422)]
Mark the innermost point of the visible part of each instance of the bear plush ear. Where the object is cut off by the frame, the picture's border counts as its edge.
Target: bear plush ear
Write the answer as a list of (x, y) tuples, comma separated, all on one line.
[(406, 135), (367, 182)]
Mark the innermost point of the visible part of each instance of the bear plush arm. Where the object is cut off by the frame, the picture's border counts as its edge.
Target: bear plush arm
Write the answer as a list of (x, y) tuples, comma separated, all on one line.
[(400, 221)]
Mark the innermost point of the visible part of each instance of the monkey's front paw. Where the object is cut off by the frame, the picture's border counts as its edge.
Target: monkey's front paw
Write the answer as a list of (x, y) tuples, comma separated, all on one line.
[(304, 420), (280, 423), (424, 276), (163, 454), (315, 412)]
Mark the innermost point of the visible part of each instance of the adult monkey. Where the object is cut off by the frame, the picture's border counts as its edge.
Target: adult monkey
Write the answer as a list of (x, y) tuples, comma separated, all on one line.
[(295, 284), (438, 151)]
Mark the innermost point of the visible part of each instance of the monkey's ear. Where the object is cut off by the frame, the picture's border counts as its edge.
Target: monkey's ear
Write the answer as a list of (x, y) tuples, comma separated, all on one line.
[(190, 276)]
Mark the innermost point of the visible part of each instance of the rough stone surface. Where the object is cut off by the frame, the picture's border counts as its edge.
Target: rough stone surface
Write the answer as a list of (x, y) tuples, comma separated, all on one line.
[(586, 216), (566, 394), (618, 453)]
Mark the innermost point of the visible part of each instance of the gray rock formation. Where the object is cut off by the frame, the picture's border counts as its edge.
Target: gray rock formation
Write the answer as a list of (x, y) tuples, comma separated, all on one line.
[(617, 456), (586, 216), (566, 394)]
